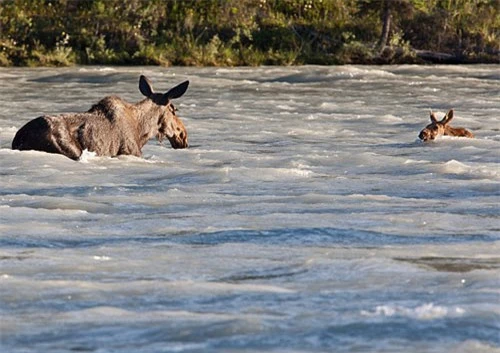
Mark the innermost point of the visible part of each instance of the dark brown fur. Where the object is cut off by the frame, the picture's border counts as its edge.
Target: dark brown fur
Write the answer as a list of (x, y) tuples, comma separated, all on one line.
[(111, 127), (437, 128)]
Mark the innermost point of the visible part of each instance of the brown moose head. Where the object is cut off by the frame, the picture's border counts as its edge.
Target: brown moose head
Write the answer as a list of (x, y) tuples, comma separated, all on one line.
[(437, 128), (169, 124)]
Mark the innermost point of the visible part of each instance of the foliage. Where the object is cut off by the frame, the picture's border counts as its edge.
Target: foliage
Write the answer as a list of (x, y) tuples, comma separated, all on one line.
[(243, 32)]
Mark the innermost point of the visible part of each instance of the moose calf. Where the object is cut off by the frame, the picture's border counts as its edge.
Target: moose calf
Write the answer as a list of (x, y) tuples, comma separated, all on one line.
[(111, 127), (437, 128)]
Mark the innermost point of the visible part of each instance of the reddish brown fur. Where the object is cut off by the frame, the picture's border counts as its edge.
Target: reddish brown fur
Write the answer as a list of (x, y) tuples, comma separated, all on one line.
[(111, 127), (437, 128)]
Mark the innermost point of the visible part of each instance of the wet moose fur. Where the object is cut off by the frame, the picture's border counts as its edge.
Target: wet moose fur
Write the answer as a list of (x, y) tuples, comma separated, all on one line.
[(437, 128), (111, 127)]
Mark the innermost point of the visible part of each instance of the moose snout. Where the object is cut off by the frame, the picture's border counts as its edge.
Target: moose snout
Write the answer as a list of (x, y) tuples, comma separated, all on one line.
[(425, 135), (178, 143)]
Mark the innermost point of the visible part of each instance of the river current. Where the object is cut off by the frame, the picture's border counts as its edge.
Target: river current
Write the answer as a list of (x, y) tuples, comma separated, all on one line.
[(305, 216)]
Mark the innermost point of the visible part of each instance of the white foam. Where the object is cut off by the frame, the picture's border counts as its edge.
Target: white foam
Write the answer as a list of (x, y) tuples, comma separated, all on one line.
[(329, 105), (486, 171), (389, 118), (87, 156), (455, 167), (427, 311), (98, 69)]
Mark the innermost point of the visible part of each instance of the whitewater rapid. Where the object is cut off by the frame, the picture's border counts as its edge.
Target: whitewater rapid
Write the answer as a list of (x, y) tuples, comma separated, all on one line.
[(306, 216)]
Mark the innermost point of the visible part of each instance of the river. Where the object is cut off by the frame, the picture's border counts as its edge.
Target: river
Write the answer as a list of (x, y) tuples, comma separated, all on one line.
[(305, 216)]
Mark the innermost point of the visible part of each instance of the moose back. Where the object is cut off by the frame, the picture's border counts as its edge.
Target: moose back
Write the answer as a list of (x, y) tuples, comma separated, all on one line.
[(111, 127)]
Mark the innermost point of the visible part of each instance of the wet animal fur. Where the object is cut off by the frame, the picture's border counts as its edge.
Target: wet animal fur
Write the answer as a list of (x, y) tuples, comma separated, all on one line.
[(437, 128), (111, 127)]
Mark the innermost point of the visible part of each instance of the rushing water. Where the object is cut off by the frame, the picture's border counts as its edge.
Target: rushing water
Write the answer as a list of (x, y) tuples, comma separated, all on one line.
[(304, 217)]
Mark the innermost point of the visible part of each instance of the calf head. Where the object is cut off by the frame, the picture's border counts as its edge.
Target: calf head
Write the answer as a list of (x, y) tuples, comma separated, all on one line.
[(169, 124), (435, 128)]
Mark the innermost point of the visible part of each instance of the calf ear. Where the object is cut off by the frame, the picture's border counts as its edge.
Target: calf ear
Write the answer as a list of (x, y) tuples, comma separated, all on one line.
[(433, 117), (145, 86), (447, 118), (176, 92)]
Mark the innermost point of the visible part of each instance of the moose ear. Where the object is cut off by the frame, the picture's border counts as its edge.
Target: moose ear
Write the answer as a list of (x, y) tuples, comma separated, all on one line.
[(145, 86), (177, 91), (433, 117), (447, 118)]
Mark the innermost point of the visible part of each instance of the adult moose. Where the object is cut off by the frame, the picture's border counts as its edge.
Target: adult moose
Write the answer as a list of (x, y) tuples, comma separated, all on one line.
[(437, 128), (111, 127)]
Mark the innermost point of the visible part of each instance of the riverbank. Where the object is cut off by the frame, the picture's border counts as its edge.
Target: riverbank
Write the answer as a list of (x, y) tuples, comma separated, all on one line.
[(248, 33)]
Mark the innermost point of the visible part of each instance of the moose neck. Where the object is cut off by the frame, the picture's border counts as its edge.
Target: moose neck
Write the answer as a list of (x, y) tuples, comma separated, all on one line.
[(459, 131), (148, 114)]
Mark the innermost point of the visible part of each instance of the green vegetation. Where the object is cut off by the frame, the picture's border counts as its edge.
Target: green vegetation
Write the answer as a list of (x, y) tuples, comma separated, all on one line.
[(247, 32)]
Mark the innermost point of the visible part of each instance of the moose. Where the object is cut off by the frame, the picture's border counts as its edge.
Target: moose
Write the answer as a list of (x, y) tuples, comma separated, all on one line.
[(437, 128), (112, 127)]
